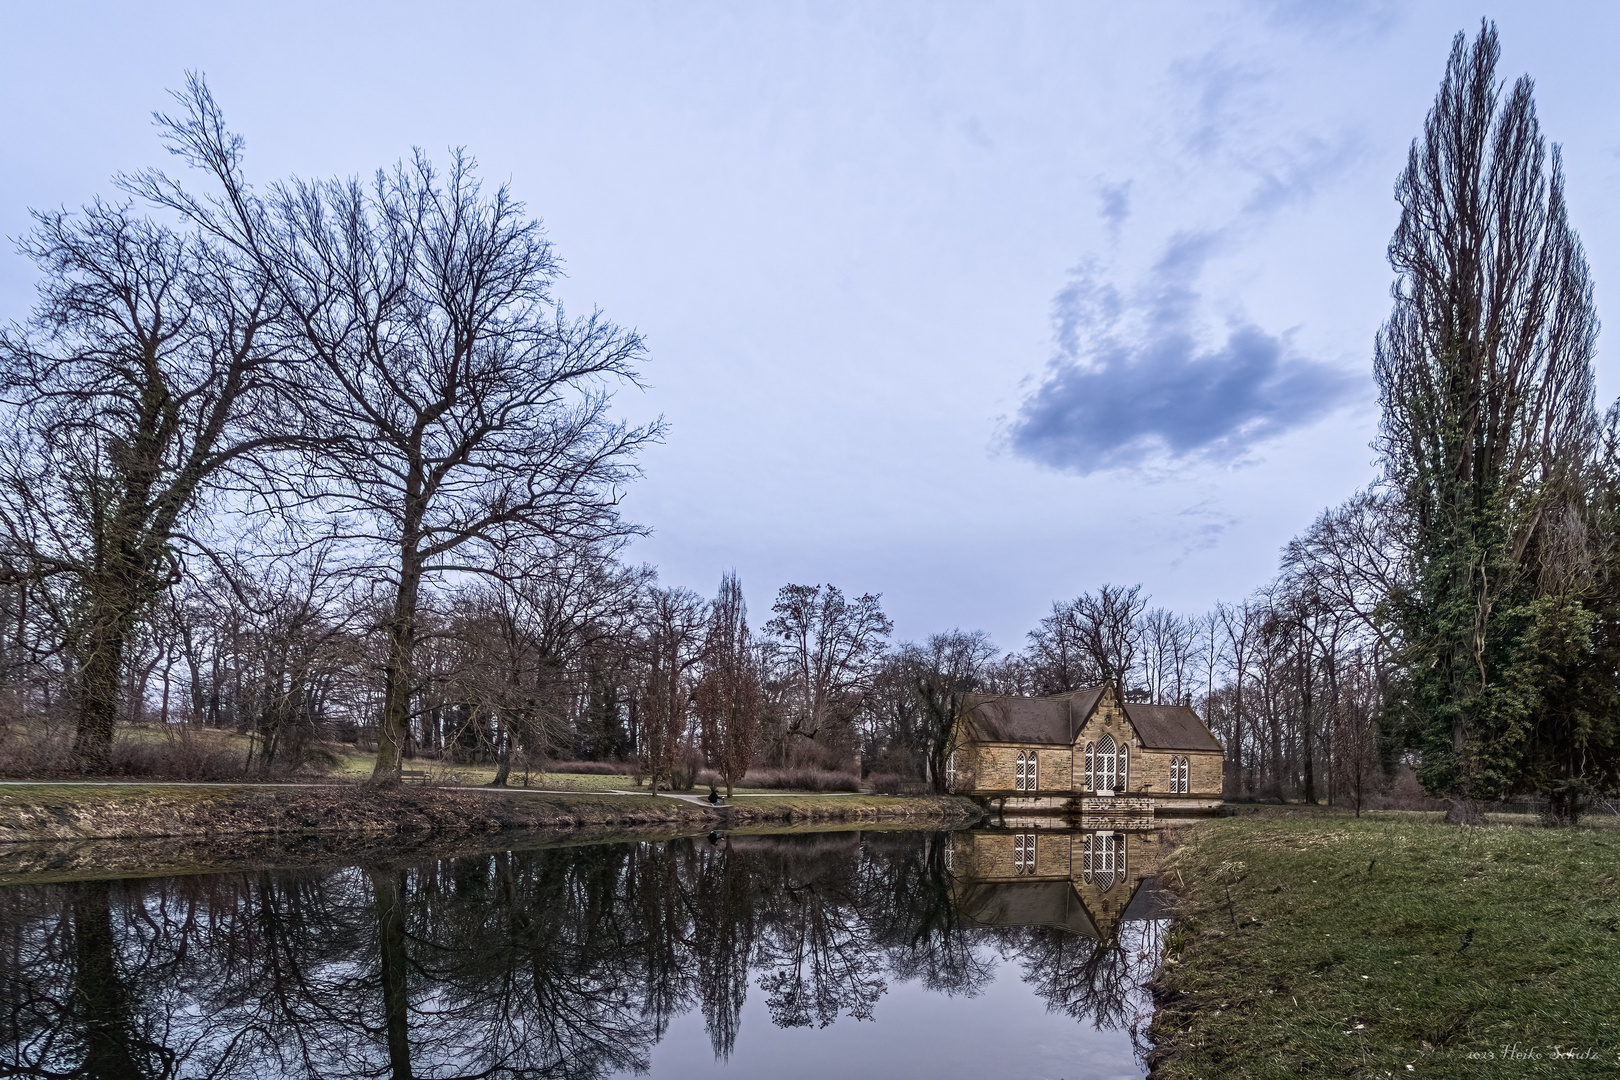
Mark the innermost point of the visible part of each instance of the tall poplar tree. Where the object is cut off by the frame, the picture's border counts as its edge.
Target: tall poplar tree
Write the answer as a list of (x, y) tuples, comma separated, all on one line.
[(1489, 438)]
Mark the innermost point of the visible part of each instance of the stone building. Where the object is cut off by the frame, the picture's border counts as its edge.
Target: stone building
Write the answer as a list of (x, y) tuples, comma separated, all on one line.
[(1087, 751)]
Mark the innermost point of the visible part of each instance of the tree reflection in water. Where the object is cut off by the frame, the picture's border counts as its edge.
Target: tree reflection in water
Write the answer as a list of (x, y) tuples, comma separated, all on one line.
[(562, 962)]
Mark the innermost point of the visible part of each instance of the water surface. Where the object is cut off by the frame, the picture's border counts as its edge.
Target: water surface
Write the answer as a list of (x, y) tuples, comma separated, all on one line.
[(1007, 953)]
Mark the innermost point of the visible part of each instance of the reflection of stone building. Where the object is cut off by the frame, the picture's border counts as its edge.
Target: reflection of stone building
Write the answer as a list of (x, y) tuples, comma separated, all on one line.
[(1084, 881), (1084, 751)]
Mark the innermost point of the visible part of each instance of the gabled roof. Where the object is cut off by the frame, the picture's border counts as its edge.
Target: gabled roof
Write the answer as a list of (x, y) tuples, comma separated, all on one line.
[(1170, 727), (1008, 718)]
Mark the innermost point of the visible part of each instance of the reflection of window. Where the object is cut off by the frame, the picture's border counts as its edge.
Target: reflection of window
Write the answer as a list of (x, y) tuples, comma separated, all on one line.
[(1024, 772), (1179, 779), (950, 856), (1023, 853), (1102, 861)]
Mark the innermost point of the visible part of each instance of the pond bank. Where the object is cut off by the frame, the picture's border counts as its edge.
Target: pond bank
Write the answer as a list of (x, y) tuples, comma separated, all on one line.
[(1316, 945), (223, 814)]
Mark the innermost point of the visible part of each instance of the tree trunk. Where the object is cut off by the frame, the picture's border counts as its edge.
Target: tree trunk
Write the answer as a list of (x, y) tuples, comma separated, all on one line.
[(98, 682), (393, 727), (503, 767)]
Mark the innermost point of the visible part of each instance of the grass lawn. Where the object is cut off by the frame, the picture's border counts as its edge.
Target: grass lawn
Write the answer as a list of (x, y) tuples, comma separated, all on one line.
[(1320, 945)]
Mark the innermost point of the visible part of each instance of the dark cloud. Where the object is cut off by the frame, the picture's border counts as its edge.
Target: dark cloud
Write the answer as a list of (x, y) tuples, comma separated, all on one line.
[(1133, 383)]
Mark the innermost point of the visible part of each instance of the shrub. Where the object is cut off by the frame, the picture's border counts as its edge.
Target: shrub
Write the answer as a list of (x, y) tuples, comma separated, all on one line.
[(683, 773), (884, 783), (802, 779), (592, 768)]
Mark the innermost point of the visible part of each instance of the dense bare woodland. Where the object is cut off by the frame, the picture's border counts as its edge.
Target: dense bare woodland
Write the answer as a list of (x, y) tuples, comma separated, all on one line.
[(327, 463)]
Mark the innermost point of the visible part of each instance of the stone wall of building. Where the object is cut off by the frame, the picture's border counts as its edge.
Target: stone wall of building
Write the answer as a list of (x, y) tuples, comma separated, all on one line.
[(996, 768)]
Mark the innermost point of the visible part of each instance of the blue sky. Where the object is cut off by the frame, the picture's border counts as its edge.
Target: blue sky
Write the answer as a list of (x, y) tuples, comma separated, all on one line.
[(974, 305)]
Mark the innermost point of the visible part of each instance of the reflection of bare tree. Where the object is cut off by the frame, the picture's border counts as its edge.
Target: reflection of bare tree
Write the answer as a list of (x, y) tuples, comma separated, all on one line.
[(1104, 981), (560, 964), (723, 939), (907, 897)]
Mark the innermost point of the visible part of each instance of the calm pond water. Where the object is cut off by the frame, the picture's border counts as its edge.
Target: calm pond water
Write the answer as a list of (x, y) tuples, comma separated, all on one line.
[(1006, 953)]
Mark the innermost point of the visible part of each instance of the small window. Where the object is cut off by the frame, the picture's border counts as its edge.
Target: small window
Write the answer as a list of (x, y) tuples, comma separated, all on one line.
[(950, 771), (1018, 772), (1179, 775), (1091, 766), (1123, 775), (1029, 772)]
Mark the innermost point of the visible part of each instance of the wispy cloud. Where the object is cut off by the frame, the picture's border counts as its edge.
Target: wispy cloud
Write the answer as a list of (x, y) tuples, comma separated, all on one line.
[(1134, 383), (1290, 174), (1338, 18), (1116, 203), (1219, 94)]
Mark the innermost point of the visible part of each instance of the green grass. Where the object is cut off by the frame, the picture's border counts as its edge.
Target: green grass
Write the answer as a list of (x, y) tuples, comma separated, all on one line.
[(1322, 945)]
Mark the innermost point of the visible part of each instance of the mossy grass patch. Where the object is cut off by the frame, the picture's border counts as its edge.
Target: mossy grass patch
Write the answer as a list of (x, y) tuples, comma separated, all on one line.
[(1321, 945)]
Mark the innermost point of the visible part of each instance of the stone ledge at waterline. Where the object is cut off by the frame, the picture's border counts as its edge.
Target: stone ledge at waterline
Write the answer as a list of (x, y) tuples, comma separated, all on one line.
[(30, 813)]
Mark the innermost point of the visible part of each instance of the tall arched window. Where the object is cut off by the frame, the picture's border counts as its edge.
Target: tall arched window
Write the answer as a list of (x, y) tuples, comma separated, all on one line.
[(1122, 775), (1105, 763), (1024, 771), (1091, 766), (1024, 853), (950, 771)]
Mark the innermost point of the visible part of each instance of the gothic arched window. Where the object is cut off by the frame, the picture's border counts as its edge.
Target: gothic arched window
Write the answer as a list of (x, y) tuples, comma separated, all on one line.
[(1105, 763)]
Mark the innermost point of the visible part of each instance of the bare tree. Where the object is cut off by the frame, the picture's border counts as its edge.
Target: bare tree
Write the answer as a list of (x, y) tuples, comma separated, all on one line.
[(1168, 644), (671, 648), (1239, 625), (831, 648), (125, 397), (454, 405), (727, 698), (1096, 637)]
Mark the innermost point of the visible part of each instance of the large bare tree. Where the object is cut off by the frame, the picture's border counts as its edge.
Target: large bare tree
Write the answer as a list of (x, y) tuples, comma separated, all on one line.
[(451, 404)]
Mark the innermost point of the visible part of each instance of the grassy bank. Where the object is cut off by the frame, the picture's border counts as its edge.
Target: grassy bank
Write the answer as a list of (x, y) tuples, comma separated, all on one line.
[(235, 814), (1316, 945)]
